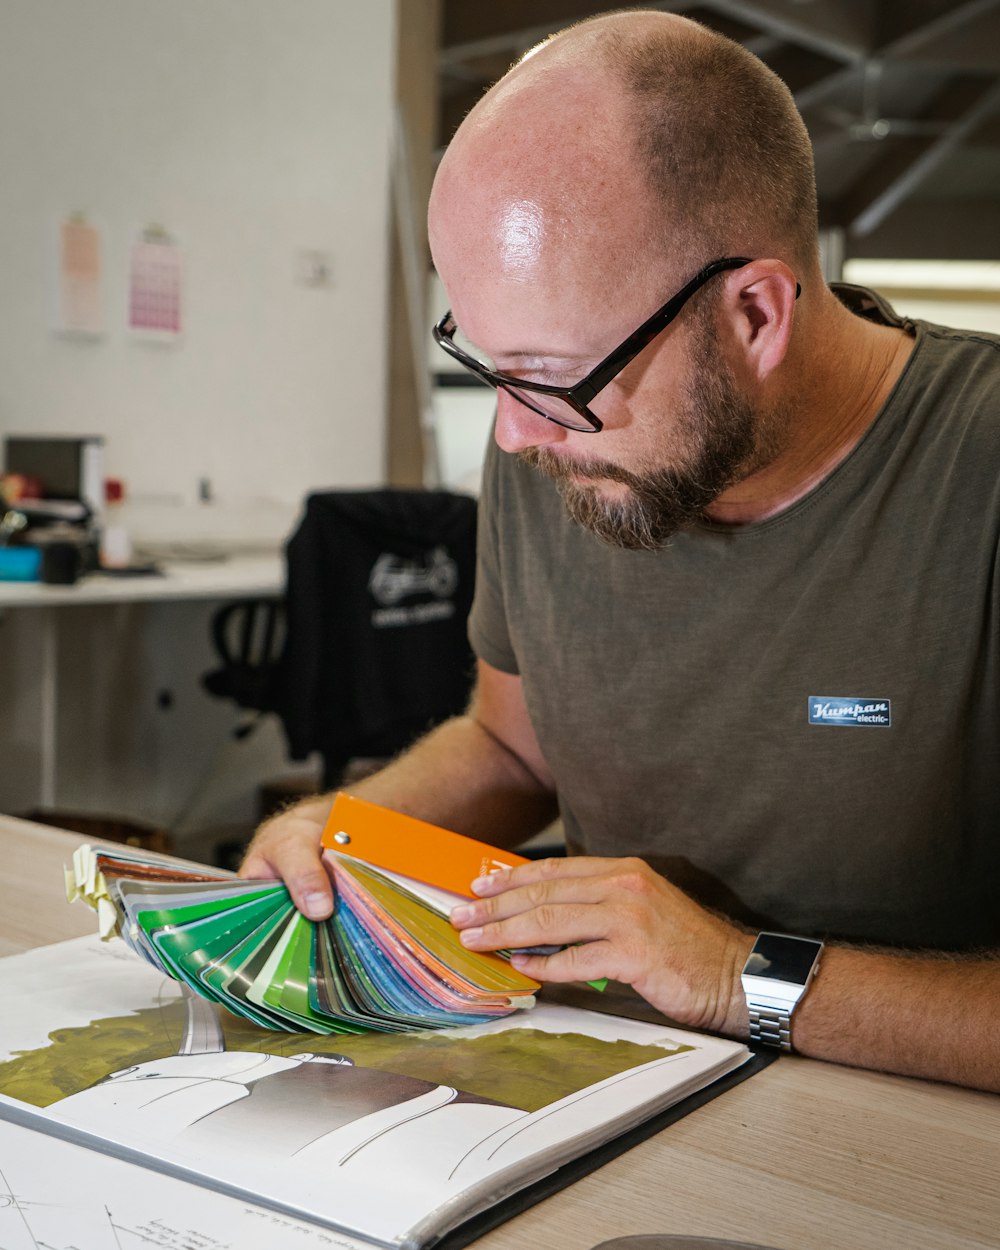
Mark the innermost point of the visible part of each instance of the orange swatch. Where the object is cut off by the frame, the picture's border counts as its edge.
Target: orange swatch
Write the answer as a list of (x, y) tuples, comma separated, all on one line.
[(411, 847)]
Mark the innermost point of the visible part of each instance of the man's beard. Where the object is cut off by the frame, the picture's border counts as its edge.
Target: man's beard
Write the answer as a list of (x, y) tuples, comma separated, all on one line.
[(720, 436)]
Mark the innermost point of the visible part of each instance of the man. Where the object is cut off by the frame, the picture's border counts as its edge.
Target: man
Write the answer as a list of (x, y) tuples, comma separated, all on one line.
[(736, 605)]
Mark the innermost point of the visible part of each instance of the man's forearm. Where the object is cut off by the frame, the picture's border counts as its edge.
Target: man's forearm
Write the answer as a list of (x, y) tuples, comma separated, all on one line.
[(935, 1017), (460, 777), (919, 1015)]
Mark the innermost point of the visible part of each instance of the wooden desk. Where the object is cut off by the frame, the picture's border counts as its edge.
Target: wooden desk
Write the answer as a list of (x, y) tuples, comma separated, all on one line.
[(803, 1156)]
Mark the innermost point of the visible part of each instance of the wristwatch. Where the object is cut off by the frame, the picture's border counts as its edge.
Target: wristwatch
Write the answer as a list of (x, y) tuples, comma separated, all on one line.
[(775, 977)]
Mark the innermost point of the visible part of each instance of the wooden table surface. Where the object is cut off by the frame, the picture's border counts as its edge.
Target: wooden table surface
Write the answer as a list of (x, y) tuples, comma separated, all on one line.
[(802, 1156)]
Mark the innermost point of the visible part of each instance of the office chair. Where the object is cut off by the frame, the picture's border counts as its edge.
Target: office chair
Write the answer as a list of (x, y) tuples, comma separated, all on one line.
[(247, 636), (379, 586)]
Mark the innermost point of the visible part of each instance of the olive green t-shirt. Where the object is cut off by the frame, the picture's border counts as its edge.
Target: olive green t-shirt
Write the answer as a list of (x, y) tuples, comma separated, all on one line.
[(796, 721)]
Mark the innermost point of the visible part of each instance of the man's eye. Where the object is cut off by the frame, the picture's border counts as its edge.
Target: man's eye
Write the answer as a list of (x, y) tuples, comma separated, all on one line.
[(549, 377)]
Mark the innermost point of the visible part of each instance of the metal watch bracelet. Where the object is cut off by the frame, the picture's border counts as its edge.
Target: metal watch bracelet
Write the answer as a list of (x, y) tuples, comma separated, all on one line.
[(770, 1025)]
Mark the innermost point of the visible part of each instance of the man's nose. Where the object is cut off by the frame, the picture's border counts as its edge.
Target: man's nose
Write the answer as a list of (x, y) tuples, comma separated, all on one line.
[(519, 427)]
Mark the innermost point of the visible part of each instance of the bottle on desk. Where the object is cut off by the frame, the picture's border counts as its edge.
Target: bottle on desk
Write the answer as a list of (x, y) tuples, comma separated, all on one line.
[(116, 543)]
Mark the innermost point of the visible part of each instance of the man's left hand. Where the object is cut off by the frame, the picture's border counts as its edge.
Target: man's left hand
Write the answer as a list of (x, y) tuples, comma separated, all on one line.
[(616, 918)]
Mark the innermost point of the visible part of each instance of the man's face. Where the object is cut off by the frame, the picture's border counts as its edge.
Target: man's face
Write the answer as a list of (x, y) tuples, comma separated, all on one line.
[(545, 285), (716, 438)]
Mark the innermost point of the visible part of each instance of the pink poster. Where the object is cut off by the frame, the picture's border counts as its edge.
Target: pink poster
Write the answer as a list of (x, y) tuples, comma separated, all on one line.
[(154, 303)]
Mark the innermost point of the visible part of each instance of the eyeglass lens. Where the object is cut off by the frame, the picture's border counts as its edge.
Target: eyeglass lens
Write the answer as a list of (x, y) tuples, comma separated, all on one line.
[(553, 407)]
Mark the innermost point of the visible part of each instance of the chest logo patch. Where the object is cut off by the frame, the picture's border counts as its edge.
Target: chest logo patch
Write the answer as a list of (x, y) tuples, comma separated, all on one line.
[(824, 710)]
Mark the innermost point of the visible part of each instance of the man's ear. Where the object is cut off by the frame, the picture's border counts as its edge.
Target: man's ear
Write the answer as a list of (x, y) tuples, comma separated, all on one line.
[(759, 309)]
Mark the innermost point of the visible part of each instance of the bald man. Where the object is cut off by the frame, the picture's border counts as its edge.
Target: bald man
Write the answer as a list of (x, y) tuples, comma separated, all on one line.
[(736, 610)]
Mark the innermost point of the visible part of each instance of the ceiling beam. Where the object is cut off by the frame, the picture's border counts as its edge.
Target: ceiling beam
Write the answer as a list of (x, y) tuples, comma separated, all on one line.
[(987, 134), (973, 49), (471, 29), (840, 29), (901, 33), (964, 107)]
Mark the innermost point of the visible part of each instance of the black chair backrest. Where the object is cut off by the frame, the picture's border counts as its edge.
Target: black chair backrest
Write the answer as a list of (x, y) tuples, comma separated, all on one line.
[(379, 588)]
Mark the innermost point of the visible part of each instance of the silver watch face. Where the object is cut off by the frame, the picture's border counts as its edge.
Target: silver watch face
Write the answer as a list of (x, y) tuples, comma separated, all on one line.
[(778, 957)]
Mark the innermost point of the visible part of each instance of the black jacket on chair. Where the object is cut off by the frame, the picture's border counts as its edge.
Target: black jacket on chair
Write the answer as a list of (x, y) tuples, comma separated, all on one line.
[(379, 588)]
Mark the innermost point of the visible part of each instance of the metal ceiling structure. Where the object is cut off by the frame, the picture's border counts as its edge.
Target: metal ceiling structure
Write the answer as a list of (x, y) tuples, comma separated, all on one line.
[(901, 98)]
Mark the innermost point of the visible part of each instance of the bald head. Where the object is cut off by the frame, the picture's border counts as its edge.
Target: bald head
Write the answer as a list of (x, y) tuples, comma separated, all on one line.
[(530, 177), (639, 142)]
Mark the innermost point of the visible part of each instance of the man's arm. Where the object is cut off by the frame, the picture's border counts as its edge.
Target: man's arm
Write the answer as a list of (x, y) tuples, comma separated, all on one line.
[(484, 774), (920, 1015), (481, 774)]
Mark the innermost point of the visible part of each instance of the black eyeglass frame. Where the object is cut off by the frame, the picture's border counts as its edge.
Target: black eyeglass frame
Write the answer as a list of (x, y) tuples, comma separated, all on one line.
[(582, 392)]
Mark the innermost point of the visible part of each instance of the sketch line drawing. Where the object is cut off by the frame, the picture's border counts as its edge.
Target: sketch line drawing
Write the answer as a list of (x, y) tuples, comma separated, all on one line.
[(11, 1202), (113, 1227)]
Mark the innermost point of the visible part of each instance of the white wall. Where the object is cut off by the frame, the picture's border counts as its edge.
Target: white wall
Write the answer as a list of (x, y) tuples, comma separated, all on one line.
[(251, 129)]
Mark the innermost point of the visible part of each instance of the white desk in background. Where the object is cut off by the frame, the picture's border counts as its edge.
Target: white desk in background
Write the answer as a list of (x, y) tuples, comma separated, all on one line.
[(234, 577)]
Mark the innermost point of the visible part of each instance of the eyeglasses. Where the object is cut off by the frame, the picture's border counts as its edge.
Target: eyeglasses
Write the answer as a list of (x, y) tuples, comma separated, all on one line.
[(567, 405)]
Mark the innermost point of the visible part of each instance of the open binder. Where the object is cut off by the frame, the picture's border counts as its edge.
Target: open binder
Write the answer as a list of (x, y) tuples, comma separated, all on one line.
[(332, 1070)]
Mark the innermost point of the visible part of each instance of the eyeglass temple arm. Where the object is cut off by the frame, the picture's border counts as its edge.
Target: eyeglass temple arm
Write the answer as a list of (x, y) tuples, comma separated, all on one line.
[(590, 385)]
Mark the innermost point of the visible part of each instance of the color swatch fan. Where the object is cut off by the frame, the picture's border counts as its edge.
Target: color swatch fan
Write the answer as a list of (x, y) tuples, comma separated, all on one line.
[(387, 960)]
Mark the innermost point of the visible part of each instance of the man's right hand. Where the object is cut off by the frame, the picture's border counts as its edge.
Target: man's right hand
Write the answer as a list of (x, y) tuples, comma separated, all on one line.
[(288, 846)]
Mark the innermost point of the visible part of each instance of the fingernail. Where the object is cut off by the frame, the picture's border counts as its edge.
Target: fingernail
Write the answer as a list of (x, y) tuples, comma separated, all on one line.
[(460, 914), (469, 937), (480, 885), (316, 906)]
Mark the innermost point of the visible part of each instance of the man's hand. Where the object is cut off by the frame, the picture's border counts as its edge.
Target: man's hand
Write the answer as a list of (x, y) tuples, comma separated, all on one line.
[(288, 846), (618, 919)]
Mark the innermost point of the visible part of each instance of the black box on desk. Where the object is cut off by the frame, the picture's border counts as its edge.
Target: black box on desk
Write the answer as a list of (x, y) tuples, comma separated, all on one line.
[(67, 468)]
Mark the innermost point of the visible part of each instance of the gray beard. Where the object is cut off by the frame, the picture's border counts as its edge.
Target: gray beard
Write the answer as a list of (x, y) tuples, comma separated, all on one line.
[(721, 430)]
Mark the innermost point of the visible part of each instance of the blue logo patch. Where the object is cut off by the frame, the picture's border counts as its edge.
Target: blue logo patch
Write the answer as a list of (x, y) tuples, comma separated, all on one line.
[(826, 711)]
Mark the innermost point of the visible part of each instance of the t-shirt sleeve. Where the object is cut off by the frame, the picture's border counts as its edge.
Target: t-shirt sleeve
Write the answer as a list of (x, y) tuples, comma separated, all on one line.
[(488, 633)]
